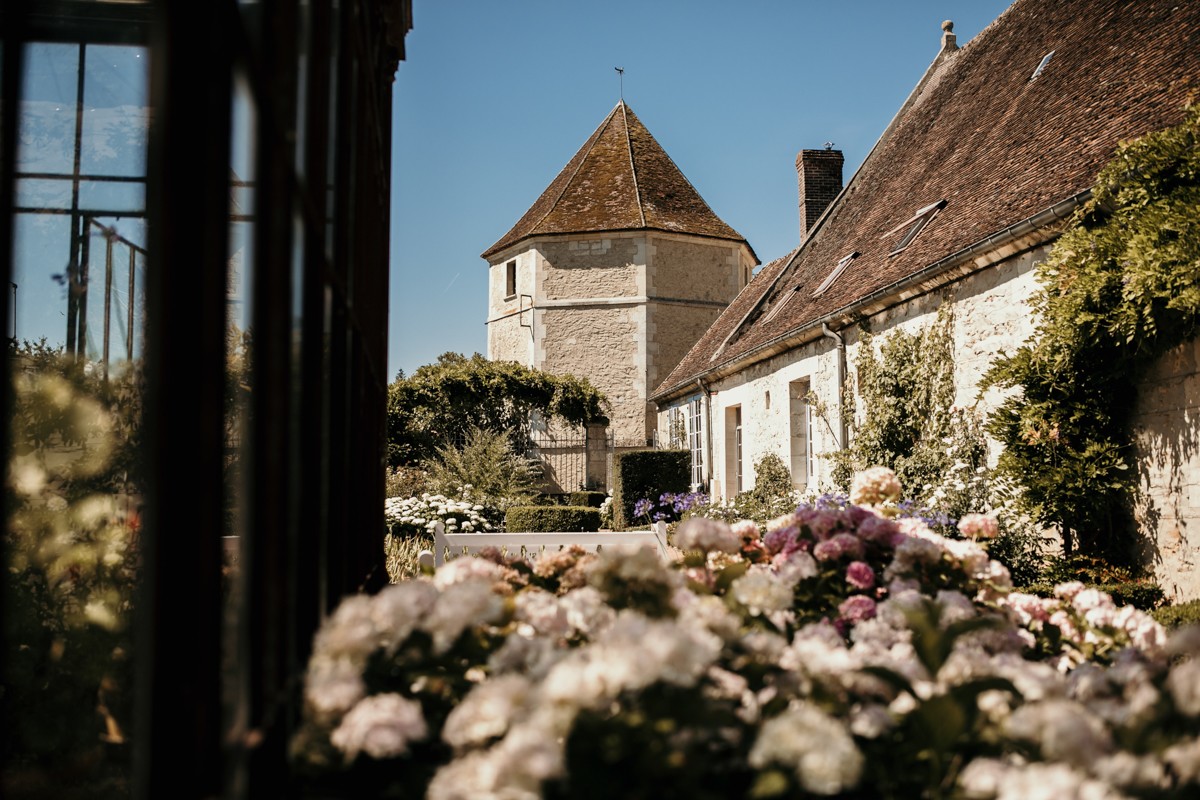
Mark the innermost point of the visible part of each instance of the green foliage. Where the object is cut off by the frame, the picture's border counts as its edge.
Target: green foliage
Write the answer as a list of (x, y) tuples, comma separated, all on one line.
[(440, 401), (591, 499), (772, 479), (71, 522), (485, 468), (405, 482), (552, 518), (906, 391), (1118, 289), (1176, 616), (1126, 586), (639, 474), (772, 495)]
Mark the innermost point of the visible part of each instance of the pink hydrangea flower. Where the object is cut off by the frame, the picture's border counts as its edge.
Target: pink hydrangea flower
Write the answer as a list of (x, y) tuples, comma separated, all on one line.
[(860, 575), (841, 545), (856, 608), (880, 530), (979, 526)]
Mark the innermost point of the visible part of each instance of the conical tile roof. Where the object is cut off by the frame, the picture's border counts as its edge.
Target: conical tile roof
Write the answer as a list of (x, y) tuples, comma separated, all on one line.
[(621, 179)]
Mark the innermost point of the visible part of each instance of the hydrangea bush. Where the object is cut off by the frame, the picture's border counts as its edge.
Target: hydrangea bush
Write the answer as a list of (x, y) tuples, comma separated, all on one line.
[(848, 651), (412, 516)]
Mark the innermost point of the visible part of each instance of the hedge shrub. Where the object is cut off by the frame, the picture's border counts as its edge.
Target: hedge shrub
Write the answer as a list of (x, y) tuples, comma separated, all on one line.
[(646, 473), (539, 519), (1176, 616), (590, 499)]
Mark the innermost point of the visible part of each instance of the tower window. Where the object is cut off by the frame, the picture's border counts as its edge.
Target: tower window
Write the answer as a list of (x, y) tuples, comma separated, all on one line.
[(510, 279)]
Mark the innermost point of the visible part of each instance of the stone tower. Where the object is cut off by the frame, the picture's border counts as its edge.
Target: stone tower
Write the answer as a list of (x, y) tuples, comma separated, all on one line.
[(614, 273)]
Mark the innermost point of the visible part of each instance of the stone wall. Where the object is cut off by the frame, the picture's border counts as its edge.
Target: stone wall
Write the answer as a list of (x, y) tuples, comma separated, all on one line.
[(603, 344), (692, 269), (1166, 427), (609, 266)]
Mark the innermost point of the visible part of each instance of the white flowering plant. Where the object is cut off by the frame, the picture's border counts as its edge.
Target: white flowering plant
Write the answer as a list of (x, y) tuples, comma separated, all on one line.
[(413, 516), (848, 652)]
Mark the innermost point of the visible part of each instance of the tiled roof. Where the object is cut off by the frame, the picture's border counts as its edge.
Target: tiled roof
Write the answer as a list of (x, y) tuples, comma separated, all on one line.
[(621, 179), (996, 145)]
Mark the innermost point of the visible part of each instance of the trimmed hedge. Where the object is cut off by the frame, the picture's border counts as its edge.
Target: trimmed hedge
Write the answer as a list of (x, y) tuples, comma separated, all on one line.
[(589, 499), (1143, 594), (641, 474), (1177, 616), (550, 519)]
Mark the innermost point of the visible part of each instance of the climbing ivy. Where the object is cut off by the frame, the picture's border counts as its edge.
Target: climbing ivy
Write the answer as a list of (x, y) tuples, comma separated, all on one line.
[(1119, 288), (906, 392)]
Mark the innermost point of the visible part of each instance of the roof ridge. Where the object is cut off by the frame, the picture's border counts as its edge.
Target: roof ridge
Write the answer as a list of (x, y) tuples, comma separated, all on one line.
[(596, 136), (637, 191)]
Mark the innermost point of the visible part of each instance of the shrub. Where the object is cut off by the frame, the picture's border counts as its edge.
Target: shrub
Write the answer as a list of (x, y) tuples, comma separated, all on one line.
[(417, 516), (552, 518), (848, 652), (772, 479), (646, 473), (591, 499), (486, 468), (1176, 616), (405, 482)]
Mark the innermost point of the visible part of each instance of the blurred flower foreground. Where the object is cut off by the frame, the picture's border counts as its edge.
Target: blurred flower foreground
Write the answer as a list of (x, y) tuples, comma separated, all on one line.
[(841, 651)]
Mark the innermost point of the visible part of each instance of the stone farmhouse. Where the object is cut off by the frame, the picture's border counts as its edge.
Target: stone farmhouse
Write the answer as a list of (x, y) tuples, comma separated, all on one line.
[(958, 201), (614, 273)]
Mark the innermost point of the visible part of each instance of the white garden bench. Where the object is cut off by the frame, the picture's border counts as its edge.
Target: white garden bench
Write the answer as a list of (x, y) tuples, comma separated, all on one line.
[(452, 545)]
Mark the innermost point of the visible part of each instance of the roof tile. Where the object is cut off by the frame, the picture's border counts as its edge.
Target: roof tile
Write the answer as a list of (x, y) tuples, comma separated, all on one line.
[(621, 179), (997, 146)]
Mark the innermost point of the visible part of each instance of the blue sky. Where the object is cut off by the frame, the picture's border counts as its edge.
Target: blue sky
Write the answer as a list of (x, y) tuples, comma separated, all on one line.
[(494, 98)]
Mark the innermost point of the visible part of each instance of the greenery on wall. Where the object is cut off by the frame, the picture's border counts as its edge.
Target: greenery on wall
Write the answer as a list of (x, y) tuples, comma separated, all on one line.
[(1119, 288), (905, 387), (440, 401)]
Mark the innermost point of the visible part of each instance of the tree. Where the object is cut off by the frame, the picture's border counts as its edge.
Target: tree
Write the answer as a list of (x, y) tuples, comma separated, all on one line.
[(1119, 289), (440, 402)]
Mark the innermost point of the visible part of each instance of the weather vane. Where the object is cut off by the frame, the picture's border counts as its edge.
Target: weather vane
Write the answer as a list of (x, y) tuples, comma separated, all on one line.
[(621, 78)]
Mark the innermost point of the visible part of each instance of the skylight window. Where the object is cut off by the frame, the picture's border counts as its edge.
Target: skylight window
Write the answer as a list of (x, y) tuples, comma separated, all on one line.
[(1040, 67), (915, 225), (779, 304), (833, 276)]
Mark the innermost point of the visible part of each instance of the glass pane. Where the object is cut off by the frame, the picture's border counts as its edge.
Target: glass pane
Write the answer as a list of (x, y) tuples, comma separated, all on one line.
[(40, 255), (116, 293), (74, 496), (46, 129), (40, 194), (113, 196), (115, 117)]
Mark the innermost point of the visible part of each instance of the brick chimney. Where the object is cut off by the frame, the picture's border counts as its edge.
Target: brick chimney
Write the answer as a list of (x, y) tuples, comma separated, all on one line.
[(820, 174)]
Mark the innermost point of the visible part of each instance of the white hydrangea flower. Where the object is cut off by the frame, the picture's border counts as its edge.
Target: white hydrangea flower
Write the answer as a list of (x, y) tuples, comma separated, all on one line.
[(1063, 729), (815, 745), (761, 592), (586, 611), (542, 611), (382, 726), (874, 486), (333, 685), (708, 535), (463, 569), (487, 711), (1184, 685), (459, 607), (399, 608), (350, 631)]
